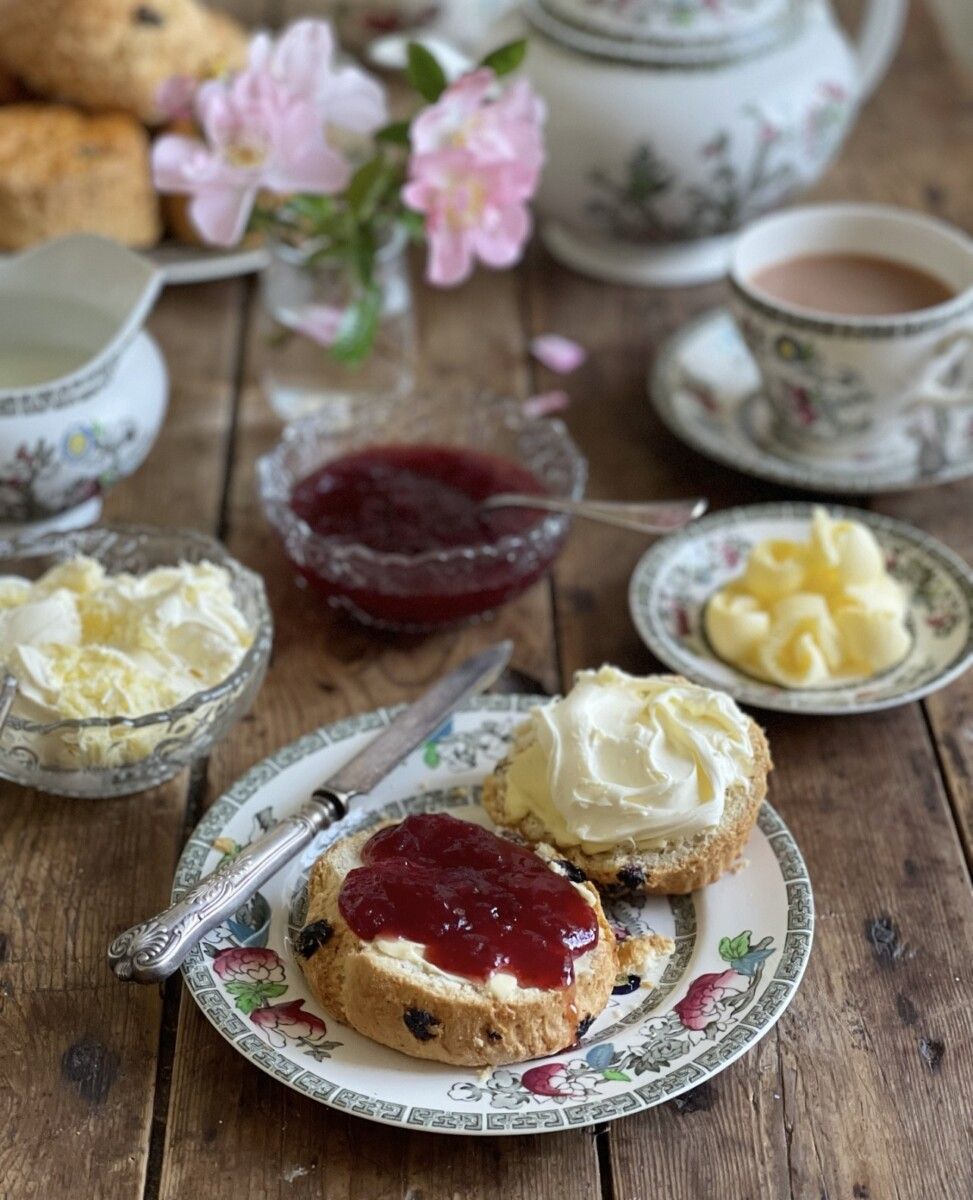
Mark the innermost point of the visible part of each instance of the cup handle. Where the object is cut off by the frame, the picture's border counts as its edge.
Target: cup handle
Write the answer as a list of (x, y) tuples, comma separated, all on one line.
[(954, 351)]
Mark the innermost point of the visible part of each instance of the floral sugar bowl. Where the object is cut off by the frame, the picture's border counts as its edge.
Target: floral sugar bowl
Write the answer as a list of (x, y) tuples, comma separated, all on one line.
[(83, 388), (673, 122)]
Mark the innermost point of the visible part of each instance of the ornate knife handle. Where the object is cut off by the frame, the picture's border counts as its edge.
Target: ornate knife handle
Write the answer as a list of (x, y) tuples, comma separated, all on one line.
[(152, 951)]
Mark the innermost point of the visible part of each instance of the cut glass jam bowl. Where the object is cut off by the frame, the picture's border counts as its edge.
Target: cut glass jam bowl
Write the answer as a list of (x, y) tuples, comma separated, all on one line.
[(424, 590), (115, 756)]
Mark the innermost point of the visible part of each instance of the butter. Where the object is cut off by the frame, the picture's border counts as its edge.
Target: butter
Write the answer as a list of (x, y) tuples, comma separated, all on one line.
[(82, 644), (502, 985), (812, 613), (628, 761)]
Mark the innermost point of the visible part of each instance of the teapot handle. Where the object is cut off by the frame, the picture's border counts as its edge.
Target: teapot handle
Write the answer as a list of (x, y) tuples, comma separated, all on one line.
[(878, 40)]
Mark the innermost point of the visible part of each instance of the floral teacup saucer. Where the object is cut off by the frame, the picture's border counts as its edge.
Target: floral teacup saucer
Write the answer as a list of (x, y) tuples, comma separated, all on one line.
[(706, 388), (741, 946), (674, 580)]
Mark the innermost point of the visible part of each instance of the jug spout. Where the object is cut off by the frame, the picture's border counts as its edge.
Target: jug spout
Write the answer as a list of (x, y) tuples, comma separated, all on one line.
[(91, 272)]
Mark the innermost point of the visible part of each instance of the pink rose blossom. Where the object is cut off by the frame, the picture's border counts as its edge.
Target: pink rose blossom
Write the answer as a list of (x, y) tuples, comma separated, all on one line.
[(302, 59), (174, 97), (257, 135), (545, 403), (476, 162), (558, 353), (319, 322), (252, 964), (701, 1004), (288, 1020)]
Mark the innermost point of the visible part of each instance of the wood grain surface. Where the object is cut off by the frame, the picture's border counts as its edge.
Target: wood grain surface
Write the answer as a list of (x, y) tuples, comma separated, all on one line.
[(862, 1090)]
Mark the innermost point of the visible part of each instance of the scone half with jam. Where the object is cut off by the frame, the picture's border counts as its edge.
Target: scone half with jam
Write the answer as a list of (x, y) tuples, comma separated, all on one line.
[(438, 938), (646, 784)]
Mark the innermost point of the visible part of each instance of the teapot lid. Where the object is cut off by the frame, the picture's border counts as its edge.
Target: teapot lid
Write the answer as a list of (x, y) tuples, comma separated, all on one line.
[(673, 31)]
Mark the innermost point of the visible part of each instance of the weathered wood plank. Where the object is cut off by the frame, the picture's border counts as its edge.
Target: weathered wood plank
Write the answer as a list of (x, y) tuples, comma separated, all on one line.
[(78, 1055), (245, 1131)]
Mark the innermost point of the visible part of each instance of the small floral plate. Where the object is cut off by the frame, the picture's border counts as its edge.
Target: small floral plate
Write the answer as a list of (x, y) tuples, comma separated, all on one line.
[(673, 581), (706, 388), (741, 946)]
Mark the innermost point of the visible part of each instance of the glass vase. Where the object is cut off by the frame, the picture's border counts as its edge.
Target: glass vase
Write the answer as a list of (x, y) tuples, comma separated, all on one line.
[(303, 286)]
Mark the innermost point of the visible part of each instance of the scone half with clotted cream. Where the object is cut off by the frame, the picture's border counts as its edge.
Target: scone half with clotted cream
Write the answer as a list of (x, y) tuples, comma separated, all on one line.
[(647, 784)]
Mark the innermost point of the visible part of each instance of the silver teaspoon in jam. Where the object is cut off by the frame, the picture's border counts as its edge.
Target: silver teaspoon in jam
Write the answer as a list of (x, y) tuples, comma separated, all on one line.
[(652, 517)]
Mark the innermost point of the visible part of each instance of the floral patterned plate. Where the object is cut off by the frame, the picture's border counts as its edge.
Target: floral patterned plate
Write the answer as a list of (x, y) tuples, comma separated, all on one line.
[(741, 948), (706, 388), (673, 581)]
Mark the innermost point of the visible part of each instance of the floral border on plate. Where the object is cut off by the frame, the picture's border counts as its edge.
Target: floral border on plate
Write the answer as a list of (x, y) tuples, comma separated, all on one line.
[(721, 1015), (673, 580)]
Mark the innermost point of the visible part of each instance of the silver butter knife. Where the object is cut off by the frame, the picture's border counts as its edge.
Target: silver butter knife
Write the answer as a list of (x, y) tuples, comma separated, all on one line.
[(150, 952)]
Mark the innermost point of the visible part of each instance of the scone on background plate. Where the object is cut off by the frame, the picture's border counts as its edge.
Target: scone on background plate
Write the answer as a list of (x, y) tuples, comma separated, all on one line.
[(114, 54), (388, 985), (11, 89), (646, 784), (63, 171)]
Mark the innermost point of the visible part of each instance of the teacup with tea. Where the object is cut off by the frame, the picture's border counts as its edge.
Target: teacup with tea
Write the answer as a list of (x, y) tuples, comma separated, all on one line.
[(855, 314)]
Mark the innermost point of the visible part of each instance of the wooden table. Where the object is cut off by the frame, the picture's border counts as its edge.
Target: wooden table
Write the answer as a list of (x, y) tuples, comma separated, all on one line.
[(862, 1091)]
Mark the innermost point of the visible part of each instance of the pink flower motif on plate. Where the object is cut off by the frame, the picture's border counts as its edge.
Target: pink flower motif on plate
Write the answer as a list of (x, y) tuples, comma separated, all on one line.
[(701, 1004), (253, 965), (552, 1079), (288, 1022)]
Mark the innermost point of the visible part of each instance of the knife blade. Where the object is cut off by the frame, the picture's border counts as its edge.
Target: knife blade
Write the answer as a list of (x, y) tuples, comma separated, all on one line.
[(411, 727), (153, 950)]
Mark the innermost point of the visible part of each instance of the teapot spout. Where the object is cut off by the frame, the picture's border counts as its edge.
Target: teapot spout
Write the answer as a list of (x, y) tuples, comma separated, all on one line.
[(84, 269)]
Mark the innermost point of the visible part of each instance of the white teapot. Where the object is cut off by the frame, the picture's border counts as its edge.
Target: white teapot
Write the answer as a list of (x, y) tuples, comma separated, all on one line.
[(673, 122)]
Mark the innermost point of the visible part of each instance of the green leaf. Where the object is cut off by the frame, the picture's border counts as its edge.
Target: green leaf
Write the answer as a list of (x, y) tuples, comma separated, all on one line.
[(506, 58), (618, 1076), (311, 208), (397, 133), (733, 948), (424, 73), (246, 995), (250, 996), (414, 224), (361, 253), (366, 185), (358, 328)]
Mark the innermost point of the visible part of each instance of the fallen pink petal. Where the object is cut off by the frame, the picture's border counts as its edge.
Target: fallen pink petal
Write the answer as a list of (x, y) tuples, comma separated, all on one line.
[(557, 353), (545, 403)]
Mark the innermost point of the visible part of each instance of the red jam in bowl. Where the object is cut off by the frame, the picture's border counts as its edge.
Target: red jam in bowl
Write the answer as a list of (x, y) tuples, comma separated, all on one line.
[(477, 902), (415, 501)]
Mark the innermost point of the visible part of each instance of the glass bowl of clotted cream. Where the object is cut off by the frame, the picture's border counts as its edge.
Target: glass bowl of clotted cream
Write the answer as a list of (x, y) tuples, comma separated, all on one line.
[(134, 649)]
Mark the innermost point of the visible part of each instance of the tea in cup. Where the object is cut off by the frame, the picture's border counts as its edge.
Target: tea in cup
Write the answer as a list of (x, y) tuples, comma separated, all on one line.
[(855, 314)]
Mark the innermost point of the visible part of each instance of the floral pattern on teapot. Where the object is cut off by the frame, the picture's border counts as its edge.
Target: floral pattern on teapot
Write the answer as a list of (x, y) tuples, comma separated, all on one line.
[(650, 202)]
